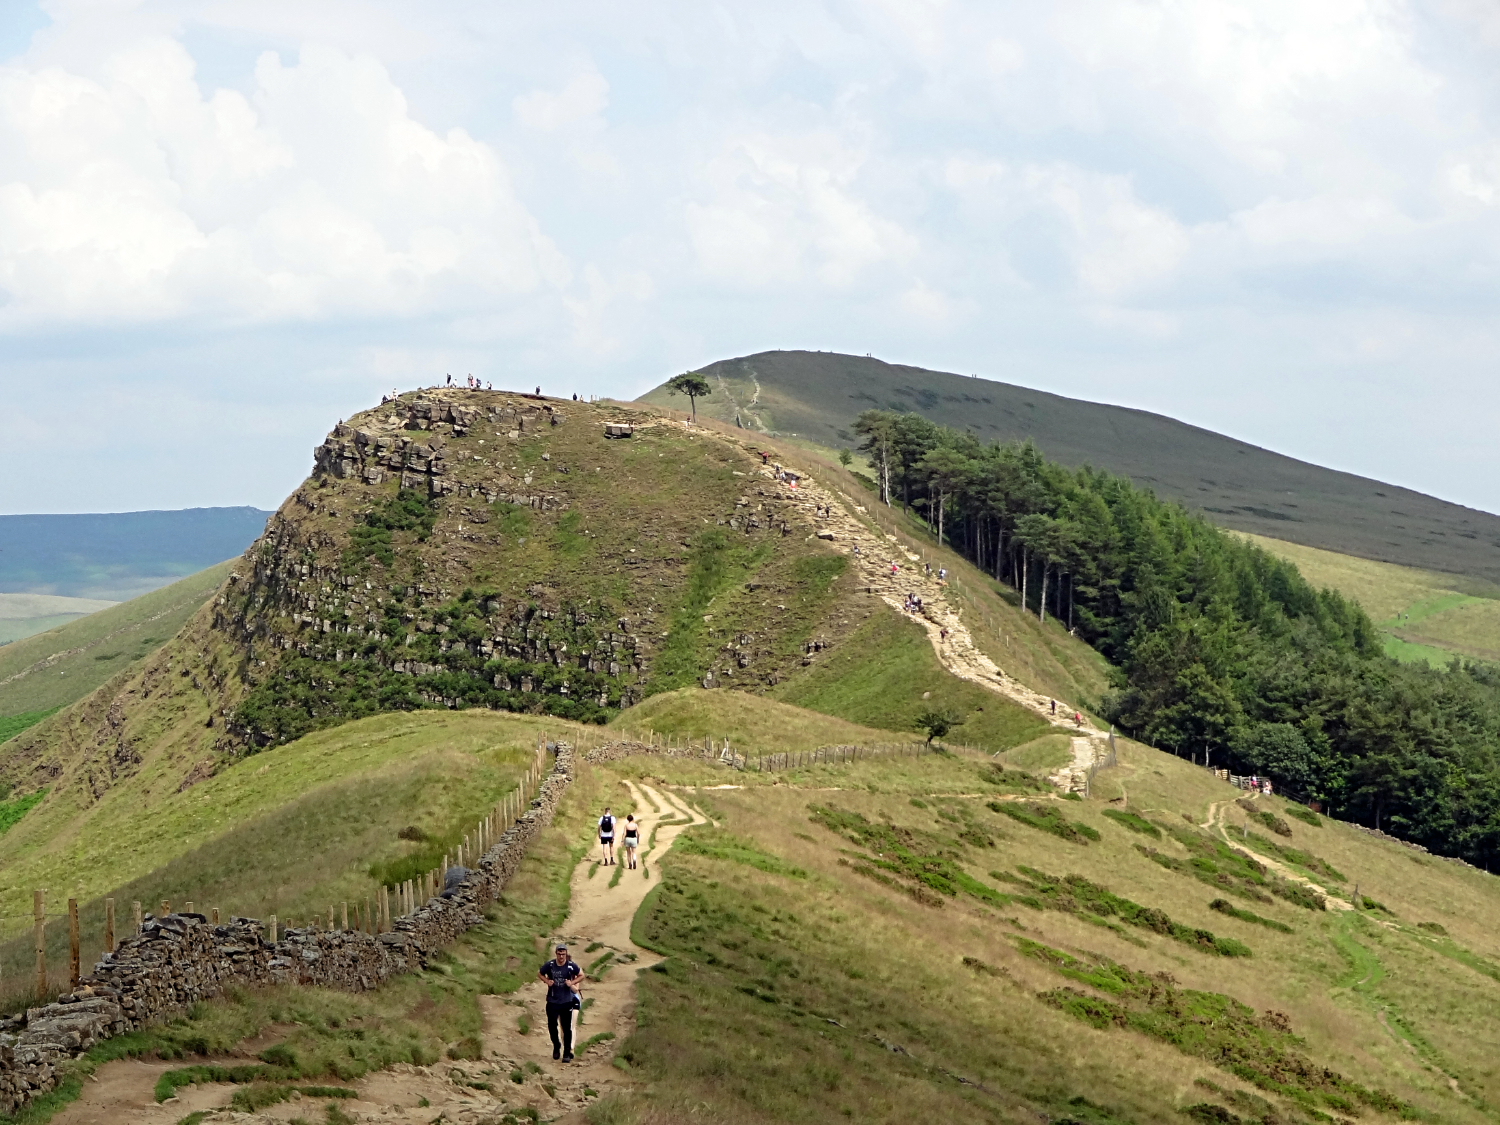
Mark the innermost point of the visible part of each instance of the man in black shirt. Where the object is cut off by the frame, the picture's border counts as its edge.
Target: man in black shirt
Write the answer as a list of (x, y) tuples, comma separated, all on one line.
[(563, 978)]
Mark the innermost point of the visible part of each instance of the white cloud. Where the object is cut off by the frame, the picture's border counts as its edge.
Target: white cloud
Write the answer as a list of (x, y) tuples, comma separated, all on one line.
[(584, 97), (131, 194), (786, 210)]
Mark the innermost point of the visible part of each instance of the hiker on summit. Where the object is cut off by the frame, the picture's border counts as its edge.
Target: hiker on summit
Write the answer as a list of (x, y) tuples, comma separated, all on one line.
[(607, 838), (631, 841), (563, 978)]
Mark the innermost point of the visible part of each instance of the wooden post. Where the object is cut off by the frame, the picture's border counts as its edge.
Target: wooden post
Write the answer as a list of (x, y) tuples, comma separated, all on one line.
[(271, 923), (346, 917), (73, 951), (214, 915), (136, 909), (39, 937), (330, 917), (166, 908), (369, 918), (109, 925), (189, 908)]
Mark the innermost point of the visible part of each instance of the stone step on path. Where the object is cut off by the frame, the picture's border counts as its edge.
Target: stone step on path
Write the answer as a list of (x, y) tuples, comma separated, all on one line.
[(836, 516)]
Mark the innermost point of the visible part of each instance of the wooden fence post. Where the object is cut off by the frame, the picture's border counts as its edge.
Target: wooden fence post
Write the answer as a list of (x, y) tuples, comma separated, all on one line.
[(271, 923), (109, 925), (136, 910), (166, 908), (214, 915), (330, 917), (39, 936), (346, 917), (73, 943), (189, 908)]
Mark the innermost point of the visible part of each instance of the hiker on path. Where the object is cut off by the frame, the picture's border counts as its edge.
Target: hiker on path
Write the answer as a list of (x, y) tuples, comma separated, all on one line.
[(942, 574), (607, 838), (563, 978), (632, 840), (1054, 707), (1078, 720)]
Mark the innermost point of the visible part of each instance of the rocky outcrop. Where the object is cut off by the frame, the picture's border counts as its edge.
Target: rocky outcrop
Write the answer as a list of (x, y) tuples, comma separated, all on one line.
[(180, 959)]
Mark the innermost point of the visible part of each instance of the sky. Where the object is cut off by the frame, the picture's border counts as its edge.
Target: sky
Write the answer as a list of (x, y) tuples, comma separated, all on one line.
[(227, 224)]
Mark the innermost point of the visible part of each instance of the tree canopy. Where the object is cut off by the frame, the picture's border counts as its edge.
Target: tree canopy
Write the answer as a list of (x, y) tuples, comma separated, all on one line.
[(1219, 649), (693, 385)]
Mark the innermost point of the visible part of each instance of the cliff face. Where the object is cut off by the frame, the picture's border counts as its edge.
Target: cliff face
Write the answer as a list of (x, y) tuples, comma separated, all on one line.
[(469, 549)]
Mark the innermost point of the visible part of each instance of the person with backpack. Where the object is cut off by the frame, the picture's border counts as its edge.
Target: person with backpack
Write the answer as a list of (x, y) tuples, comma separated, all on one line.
[(563, 979), (607, 838)]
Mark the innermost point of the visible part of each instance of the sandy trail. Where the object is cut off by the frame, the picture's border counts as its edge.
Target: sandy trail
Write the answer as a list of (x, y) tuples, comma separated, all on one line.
[(599, 920), (122, 1093), (1216, 821)]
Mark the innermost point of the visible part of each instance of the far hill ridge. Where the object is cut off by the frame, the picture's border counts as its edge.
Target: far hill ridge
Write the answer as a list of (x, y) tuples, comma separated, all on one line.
[(815, 396)]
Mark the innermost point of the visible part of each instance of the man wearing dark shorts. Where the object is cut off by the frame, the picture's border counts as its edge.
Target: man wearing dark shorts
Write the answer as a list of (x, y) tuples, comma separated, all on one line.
[(606, 838), (563, 977)]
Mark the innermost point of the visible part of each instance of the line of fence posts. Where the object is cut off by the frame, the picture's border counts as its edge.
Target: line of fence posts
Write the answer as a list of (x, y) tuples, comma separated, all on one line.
[(1109, 761), (375, 917), (824, 755)]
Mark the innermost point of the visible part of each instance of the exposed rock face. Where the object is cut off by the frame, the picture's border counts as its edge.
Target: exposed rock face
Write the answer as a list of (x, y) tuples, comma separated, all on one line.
[(180, 959)]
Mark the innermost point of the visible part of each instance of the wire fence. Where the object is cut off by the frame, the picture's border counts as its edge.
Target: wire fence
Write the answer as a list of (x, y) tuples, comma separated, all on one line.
[(66, 938)]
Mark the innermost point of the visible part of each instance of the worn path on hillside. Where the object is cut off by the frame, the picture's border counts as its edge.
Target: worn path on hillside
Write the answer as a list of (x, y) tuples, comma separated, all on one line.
[(121, 1093), (1216, 823), (836, 518), (599, 917)]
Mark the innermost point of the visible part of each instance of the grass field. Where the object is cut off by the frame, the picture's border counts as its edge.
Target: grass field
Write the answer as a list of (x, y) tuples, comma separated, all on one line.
[(847, 988), (1423, 615), (54, 668), (288, 832)]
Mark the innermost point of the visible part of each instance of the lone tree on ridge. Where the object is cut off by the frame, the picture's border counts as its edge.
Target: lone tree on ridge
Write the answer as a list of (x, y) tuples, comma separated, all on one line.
[(693, 385)]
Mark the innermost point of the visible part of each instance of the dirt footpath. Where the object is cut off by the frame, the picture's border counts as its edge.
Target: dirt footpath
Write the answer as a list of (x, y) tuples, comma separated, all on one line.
[(467, 1092)]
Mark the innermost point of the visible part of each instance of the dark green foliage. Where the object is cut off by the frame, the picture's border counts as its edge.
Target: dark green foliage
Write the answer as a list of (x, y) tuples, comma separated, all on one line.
[(1212, 1114), (12, 811), (937, 722), (280, 1055), (1047, 818), (1433, 928), (407, 510), (1267, 819), (12, 725), (1224, 906), (168, 1083), (905, 853), (718, 844), (1261, 1050), (1012, 781), (1214, 862), (1133, 822), (1305, 815), (1220, 646), (1301, 858), (1076, 895), (307, 693)]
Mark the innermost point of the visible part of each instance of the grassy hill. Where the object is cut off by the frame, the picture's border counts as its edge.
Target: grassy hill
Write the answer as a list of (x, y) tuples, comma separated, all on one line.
[(24, 615), (42, 673), (938, 935), (882, 940), (1423, 615), (814, 396)]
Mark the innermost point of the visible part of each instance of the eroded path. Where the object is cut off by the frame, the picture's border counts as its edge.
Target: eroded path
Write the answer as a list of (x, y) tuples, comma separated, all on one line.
[(598, 933), (121, 1093), (1216, 824), (892, 572)]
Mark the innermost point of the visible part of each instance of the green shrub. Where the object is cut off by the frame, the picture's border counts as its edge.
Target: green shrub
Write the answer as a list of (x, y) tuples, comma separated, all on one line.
[(1304, 814), (1045, 818), (1133, 822), (1224, 906)]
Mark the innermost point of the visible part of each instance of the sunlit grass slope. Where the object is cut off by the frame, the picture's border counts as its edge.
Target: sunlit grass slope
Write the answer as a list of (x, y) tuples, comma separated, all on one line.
[(289, 831), (54, 668), (1423, 615), (880, 942)]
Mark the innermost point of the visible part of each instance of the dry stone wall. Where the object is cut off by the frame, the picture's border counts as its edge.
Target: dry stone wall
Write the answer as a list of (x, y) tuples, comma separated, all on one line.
[(180, 959)]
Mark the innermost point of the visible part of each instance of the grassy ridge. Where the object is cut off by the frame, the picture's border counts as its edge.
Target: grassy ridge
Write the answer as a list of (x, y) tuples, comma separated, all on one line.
[(288, 833), (55, 668), (886, 674), (814, 396)]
